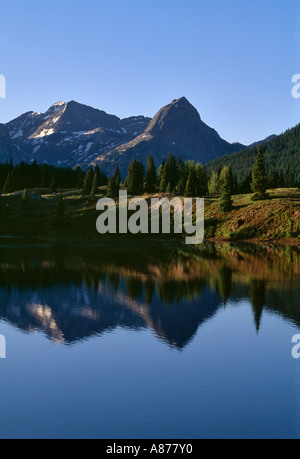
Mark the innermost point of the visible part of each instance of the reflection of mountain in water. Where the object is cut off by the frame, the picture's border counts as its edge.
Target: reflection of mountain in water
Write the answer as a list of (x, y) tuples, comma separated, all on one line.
[(173, 294), (72, 313)]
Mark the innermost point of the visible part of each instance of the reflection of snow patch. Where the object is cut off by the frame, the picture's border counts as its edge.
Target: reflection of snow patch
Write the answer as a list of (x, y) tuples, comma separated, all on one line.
[(88, 146), (79, 133), (36, 149)]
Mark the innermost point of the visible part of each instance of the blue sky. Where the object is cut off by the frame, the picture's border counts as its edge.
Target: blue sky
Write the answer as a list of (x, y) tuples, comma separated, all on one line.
[(233, 60)]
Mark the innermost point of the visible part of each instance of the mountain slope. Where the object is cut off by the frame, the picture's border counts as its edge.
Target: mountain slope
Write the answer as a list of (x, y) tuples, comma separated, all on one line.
[(281, 154), (7, 149), (261, 142), (70, 133), (177, 128)]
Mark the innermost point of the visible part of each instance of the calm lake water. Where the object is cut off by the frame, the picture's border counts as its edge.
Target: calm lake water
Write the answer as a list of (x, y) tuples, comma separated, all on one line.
[(149, 341)]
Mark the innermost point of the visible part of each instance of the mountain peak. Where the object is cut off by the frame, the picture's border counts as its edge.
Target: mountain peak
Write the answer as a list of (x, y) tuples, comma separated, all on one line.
[(58, 105), (176, 128), (173, 116), (181, 100)]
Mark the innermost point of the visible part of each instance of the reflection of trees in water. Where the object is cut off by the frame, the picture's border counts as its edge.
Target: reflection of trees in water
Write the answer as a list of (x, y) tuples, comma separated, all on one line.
[(134, 287), (258, 300), (114, 280), (149, 291), (224, 283), (173, 294)]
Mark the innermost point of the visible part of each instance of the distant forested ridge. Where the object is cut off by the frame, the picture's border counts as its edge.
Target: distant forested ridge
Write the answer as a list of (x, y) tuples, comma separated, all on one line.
[(17, 177), (281, 155)]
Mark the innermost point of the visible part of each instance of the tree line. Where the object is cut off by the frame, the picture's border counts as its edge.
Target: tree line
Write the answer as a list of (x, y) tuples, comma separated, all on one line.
[(173, 176), (188, 179), (27, 176)]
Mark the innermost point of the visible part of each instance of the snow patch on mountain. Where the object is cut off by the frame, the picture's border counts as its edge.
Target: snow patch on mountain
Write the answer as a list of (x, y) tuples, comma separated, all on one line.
[(44, 133)]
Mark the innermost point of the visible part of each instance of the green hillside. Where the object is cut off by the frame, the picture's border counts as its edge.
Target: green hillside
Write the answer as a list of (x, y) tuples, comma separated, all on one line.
[(71, 214), (282, 155)]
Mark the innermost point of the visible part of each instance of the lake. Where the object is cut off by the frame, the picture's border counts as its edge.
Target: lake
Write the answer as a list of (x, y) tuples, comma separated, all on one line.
[(149, 340)]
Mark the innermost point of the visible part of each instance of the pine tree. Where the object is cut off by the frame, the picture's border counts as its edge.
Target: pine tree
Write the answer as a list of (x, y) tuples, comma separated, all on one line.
[(34, 176), (181, 169), (172, 172), (160, 169), (135, 178), (79, 178), (164, 180), (8, 188), (53, 187), (97, 176), (259, 177), (94, 190), (44, 179), (180, 187), (112, 189), (201, 181), (88, 182), (214, 184), (190, 190), (225, 203), (226, 175), (150, 174), (118, 177)]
